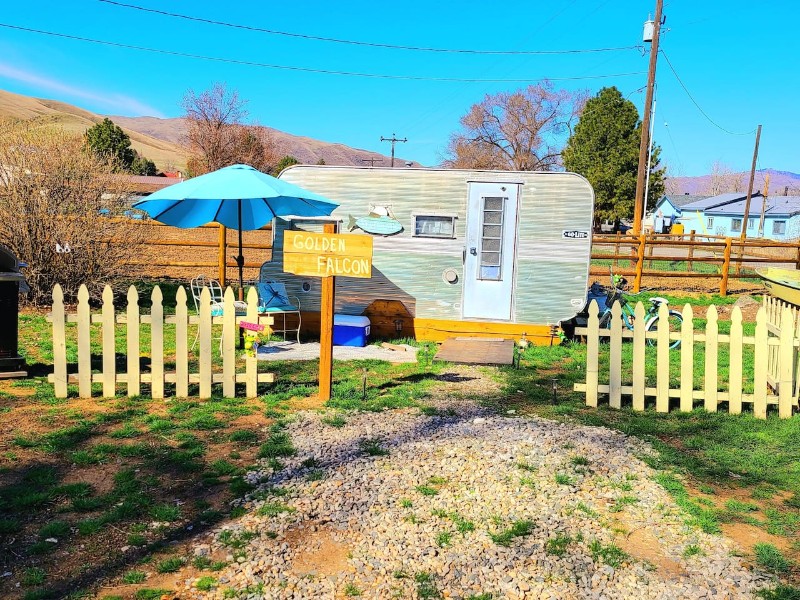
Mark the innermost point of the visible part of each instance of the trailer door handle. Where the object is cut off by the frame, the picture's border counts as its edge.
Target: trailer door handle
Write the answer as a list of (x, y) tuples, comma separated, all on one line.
[(473, 251)]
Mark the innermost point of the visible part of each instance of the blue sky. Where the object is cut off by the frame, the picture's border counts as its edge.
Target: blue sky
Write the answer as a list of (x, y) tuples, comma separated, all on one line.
[(736, 61)]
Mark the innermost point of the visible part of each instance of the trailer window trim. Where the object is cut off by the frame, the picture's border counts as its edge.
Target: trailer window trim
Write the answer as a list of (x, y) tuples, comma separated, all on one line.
[(436, 220)]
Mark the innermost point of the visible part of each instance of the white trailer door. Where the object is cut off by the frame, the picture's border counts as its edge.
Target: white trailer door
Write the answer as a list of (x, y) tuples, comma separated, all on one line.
[(490, 251)]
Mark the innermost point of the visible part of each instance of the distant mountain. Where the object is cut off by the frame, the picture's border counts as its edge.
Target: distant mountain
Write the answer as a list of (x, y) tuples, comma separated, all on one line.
[(51, 112), (162, 140), (305, 149), (779, 181)]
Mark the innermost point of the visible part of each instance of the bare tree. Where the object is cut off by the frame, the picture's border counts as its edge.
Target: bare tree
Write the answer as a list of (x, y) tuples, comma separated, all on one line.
[(522, 131), (723, 179), (217, 134), (58, 201)]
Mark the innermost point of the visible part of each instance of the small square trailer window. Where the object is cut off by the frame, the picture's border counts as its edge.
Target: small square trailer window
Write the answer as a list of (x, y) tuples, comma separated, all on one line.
[(435, 226)]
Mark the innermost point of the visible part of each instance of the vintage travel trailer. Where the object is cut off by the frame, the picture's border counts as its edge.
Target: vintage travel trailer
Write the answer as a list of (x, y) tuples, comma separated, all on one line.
[(456, 253)]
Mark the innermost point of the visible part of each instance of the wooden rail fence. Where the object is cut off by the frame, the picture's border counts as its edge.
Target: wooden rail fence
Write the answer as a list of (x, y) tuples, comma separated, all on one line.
[(131, 321), (728, 256), (774, 347)]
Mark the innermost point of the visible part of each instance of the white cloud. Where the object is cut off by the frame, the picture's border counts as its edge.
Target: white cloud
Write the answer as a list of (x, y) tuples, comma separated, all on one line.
[(115, 102)]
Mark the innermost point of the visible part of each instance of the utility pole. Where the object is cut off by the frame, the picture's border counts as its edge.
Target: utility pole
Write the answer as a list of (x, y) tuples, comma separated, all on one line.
[(763, 206), (750, 185), (371, 161), (394, 139), (644, 143)]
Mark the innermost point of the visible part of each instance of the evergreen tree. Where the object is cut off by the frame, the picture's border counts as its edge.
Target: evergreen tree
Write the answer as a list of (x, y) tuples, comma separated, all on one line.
[(604, 148), (109, 141)]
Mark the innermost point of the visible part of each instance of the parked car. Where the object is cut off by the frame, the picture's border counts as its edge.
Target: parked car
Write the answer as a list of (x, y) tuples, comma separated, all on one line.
[(608, 227)]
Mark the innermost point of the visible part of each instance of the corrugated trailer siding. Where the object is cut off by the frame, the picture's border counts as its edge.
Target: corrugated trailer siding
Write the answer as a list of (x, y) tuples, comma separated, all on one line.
[(551, 271)]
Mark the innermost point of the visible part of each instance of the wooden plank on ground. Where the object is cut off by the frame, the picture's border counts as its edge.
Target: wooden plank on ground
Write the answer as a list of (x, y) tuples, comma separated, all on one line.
[(476, 351)]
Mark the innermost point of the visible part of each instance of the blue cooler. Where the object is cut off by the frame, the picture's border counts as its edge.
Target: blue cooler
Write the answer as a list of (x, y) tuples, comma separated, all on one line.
[(350, 330)]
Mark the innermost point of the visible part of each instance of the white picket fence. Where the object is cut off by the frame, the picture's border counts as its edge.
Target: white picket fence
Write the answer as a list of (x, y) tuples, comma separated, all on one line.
[(131, 319), (775, 367)]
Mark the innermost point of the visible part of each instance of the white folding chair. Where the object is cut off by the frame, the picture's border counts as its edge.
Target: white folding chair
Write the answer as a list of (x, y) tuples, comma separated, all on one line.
[(217, 301)]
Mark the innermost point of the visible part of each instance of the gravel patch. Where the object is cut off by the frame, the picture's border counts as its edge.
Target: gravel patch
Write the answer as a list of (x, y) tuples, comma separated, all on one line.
[(464, 503), (310, 351)]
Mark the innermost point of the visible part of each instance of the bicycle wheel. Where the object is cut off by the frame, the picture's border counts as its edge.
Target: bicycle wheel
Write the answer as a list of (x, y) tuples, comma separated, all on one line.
[(675, 321)]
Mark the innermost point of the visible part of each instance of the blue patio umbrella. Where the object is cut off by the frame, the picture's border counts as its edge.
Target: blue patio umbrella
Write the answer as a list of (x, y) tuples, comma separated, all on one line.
[(239, 197)]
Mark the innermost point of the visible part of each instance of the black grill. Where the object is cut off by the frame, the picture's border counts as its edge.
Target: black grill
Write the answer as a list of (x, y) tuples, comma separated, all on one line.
[(11, 281)]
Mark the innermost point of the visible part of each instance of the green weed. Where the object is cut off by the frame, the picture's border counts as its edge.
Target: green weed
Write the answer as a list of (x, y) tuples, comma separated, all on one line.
[(769, 557), (517, 529)]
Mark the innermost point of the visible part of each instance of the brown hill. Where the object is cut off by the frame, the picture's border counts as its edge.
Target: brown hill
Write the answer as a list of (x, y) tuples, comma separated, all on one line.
[(162, 140), (51, 112), (305, 149)]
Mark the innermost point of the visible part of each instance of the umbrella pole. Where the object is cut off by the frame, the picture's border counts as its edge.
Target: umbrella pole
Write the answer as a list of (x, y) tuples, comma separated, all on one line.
[(240, 258)]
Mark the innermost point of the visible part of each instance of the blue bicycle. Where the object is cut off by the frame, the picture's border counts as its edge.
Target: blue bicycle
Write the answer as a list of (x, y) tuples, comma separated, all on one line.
[(618, 294)]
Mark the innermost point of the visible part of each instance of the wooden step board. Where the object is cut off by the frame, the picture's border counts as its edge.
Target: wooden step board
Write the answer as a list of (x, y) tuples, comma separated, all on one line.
[(477, 351)]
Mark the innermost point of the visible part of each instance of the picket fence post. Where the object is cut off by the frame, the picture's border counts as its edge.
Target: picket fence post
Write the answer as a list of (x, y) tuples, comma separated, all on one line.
[(228, 345), (592, 355), (785, 388), (205, 344), (615, 358), (133, 345), (157, 345), (109, 344), (181, 344), (760, 366), (59, 344), (251, 362), (662, 359), (711, 385), (639, 349), (735, 373), (84, 345), (687, 359)]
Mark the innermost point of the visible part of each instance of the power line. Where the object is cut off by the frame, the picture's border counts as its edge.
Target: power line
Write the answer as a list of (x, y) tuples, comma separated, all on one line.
[(356, 42), (250, 63), (685, 89)]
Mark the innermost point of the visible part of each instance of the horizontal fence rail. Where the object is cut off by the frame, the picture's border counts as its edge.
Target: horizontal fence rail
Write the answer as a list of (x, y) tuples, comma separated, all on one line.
[(131, 321), (773, 348), (700, 256)]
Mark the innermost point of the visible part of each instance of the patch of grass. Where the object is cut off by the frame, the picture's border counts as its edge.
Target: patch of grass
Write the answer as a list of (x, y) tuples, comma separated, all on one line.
[(427, 490), (9, 526), (436, 480), (334, 421), (372, 447), (734, 505), (315, 475), (89, 526), (404, 503), (558, 545), (579, 461), (169, 565), (563, 479), (705, 519), (771, 558), (166, 512), (483, 596), (136, 539), (128, 430), (54, 529), (527, 467), (517, 529), (610, 554), (780, 592), (206, 583), (585, 509), (273, 509), (621, 502), (426, 586), (351, 590), (235, 540), (132, 577), (33, 576), (692, 550), (243, 436), (443, 539), (277, 445)]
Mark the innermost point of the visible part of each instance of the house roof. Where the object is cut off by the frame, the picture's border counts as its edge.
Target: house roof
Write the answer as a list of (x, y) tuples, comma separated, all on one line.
[(777, 206), (680, 200), (712, 202), (146, 183)]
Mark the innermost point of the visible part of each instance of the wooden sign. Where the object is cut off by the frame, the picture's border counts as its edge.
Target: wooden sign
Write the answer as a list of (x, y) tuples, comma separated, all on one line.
[(327, 254)]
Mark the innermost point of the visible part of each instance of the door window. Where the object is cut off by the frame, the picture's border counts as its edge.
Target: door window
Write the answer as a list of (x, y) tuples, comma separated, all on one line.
[(491, 250)]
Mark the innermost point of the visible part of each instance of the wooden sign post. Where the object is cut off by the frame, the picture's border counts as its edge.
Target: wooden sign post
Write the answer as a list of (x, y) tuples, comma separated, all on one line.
[(327, 255)]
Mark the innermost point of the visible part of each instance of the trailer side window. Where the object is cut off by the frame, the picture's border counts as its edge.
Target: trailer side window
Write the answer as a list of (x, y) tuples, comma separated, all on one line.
[(435, 226)]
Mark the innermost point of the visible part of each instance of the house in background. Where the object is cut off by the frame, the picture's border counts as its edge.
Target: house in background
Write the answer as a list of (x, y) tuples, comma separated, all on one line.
[(694, 215), (671, 205), (781, 218)]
